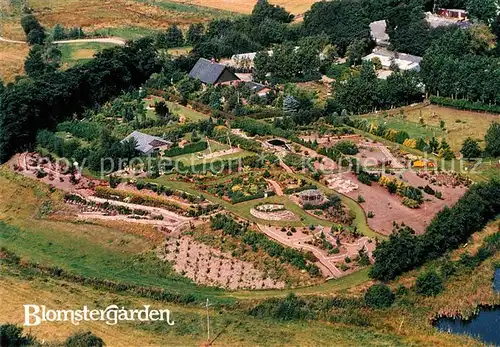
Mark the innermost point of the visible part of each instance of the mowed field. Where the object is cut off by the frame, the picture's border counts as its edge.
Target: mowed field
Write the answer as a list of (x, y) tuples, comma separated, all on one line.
[(246, 6), (75, 53), (458, 124)]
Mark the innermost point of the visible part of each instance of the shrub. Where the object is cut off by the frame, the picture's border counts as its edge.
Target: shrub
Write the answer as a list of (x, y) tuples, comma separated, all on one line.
[(187, 149), (429, 190), (367, 178), (429, 284), (379, 296), (370, 214), (346, 147), (12, 336), (410, 203), (288, 309), (84, 339)]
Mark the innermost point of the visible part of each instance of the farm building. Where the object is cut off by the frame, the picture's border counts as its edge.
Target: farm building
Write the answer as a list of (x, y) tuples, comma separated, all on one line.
[(378, 33), (259, 89), (147, 144), (404, 61), (452, 13), (210, 72), (311, 197), (446, 18)]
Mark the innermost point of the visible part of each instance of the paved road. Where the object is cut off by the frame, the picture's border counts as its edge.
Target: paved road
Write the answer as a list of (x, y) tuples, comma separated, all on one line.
[(113, 40)]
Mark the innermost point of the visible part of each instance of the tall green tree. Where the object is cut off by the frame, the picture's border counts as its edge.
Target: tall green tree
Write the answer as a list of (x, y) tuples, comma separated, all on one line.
[(35, 65), (492, 140), (264, 10), (470, 149), (195, 33), (483, 10)]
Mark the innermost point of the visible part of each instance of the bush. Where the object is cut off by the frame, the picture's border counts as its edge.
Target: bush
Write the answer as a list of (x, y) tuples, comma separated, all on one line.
[(84, 339), (429, 284), (288, 309), (346, 147), (12, 336), (429, 190), (379, 296), (410, 203)]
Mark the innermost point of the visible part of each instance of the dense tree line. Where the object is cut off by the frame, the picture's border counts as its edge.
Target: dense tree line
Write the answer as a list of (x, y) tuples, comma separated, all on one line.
[(363, 92), (460, 66), (41, 102), (449, 228)]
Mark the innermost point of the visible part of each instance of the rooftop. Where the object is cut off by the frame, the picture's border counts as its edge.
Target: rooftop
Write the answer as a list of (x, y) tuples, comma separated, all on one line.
[(207, 71), (145, 142), (403, 60), (378, 32)]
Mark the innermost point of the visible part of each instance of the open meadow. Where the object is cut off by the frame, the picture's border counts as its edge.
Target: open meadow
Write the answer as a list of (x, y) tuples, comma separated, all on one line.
[(246, 6), (127, 19), (428, 122)]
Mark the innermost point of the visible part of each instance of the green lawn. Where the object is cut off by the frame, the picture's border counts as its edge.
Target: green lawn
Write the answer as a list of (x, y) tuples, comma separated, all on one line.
[(189, 113), (128, 32), (414, 129), (78, 53), (192, 158)]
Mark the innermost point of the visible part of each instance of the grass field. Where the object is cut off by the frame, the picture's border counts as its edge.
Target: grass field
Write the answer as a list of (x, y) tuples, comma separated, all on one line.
[(192, 158), (128, 19), (12, 58), (77, 53), (246, 6), (458, 125), (190, 323), (186, 112)]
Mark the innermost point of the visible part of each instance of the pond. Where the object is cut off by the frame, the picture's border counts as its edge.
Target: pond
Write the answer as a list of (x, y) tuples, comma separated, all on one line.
[(485, 326)]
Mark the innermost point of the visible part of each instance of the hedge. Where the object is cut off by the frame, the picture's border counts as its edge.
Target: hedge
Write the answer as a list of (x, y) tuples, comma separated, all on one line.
[(463, 104), (187, 149)]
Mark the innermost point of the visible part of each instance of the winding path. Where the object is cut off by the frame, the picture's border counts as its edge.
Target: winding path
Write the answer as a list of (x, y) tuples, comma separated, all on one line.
[(3, 39), (113, 40)]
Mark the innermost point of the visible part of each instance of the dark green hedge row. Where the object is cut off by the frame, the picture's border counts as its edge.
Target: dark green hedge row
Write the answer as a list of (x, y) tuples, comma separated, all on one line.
[(300, 189), (450, 228), (187, 149), (463, 104), (261, 195)]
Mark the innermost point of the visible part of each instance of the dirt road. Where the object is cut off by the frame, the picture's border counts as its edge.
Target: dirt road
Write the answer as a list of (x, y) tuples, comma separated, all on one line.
[(114, 40)]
